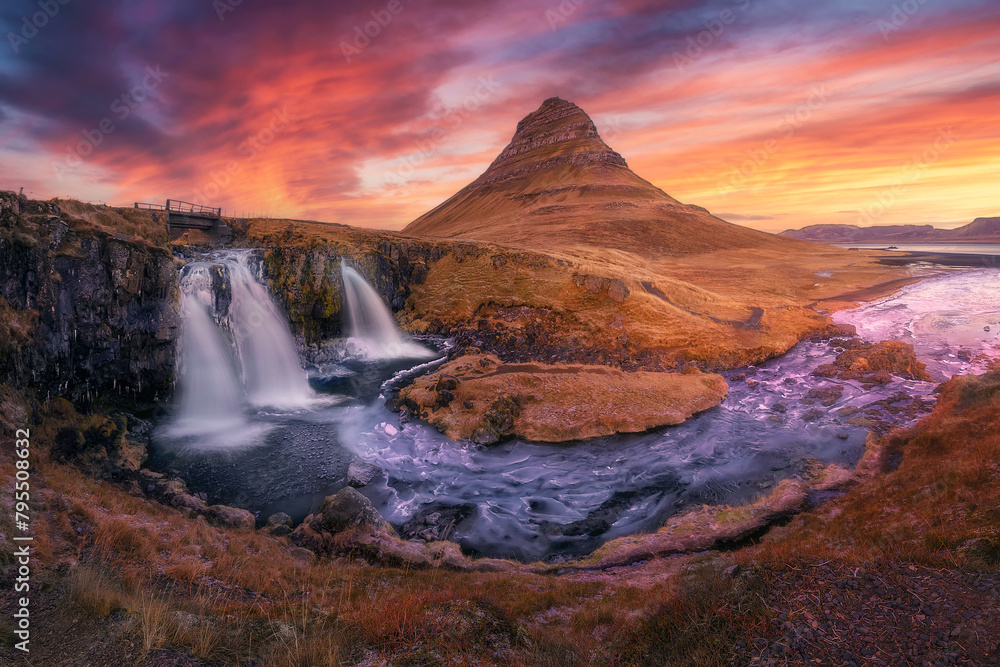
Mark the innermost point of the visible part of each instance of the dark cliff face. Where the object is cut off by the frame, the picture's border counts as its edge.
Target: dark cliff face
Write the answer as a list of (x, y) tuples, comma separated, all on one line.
[(95, 314)]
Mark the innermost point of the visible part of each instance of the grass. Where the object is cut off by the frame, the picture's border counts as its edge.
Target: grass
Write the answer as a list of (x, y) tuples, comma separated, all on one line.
[(702, 619), (139, 224), (939, 507)]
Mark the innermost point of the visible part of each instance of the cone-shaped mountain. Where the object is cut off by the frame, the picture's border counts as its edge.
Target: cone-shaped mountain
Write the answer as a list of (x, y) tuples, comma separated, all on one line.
[(558, 186)]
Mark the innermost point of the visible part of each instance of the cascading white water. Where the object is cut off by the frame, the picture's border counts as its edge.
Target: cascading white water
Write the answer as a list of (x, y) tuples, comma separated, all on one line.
[(235, 348), (209, 395), (371, 324), (272, 373)]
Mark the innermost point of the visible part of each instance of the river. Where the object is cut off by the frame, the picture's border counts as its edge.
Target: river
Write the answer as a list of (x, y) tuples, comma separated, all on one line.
[(538, 501)]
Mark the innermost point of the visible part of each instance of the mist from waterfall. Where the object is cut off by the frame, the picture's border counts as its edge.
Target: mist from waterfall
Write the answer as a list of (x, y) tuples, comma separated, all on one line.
[(371, 324)]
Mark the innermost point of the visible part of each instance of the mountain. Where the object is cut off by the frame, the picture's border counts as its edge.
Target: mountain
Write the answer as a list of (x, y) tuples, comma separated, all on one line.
[(980, 230), (557, 185)]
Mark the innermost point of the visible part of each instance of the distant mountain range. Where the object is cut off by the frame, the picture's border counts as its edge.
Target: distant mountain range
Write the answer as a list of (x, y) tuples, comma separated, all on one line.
[(980, 230), (557, 186)]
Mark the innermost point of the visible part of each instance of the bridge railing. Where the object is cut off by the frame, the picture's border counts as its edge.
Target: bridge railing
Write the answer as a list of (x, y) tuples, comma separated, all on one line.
[(177, 206), (184, 207)]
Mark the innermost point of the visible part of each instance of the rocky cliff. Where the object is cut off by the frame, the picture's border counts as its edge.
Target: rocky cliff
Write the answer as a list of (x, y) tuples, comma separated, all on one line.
[(88, 312), (302, 264)]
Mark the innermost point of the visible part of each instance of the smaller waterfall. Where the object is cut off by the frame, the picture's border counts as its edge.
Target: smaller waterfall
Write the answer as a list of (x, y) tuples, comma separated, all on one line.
[(371, 323)]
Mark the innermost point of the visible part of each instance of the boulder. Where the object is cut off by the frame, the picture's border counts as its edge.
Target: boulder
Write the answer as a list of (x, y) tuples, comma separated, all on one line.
[(278, 524), (436, 521), (189, 502), (875, 364), (361, 473), (302, 555), (618, 290), (346, 509), (827, 395), (229, 517)]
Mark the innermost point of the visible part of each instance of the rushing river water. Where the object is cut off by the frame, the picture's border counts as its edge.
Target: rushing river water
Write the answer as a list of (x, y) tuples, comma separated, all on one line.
[(529, 500)]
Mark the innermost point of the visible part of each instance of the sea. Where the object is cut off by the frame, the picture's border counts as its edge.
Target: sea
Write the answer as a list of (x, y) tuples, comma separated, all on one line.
[(954, 248)]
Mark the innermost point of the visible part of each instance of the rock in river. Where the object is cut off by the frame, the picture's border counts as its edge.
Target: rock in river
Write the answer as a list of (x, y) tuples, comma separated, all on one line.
[(361, 473), (346, 509)]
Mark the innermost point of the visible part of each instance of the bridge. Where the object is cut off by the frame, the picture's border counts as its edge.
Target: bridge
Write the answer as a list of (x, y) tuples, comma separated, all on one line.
[(185, 215)]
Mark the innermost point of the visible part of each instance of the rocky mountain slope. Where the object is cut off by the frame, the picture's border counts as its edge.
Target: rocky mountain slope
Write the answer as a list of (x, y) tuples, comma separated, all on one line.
[(557, 185), (980, 230)]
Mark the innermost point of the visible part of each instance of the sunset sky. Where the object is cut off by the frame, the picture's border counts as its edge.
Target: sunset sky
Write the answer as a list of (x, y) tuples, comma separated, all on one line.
[(773, 114)]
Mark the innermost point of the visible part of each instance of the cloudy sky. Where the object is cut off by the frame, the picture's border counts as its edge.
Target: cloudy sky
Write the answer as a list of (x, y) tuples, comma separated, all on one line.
[(773, 114)]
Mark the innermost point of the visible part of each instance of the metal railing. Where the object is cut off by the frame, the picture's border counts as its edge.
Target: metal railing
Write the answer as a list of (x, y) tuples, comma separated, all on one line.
[(183, 207)]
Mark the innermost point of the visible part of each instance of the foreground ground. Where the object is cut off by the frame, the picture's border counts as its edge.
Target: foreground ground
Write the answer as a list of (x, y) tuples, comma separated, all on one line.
[(902, 569)]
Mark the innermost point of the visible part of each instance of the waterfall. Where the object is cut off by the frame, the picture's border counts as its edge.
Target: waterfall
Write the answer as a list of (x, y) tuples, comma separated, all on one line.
[(370, 322), (272, 373), (235, 348), (209, 395)]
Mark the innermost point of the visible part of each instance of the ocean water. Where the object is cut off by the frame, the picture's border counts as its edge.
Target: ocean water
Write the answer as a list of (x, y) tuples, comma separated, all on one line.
[(951, 248)]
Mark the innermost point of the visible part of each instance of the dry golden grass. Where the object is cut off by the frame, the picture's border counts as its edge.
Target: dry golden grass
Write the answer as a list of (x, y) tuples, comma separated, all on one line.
[(229, 595), (939, 507), (556, 402), (93, 589), (703, 293), (140, 224), (258, 602)]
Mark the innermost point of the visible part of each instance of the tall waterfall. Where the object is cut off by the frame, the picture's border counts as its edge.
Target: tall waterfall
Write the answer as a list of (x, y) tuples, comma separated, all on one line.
[(209, 393), (235, 349), (370, 322), (272, 373)]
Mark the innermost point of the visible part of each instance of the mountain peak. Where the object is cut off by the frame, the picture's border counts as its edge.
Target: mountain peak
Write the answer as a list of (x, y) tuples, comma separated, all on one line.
[(557, 134), (557, 183), (551, 110)]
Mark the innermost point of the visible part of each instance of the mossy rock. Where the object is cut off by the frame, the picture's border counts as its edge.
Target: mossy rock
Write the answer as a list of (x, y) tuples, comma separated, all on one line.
[(498, 421)]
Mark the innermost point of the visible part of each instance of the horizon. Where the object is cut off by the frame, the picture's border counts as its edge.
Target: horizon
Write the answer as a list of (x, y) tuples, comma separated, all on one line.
[(373, 114)]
